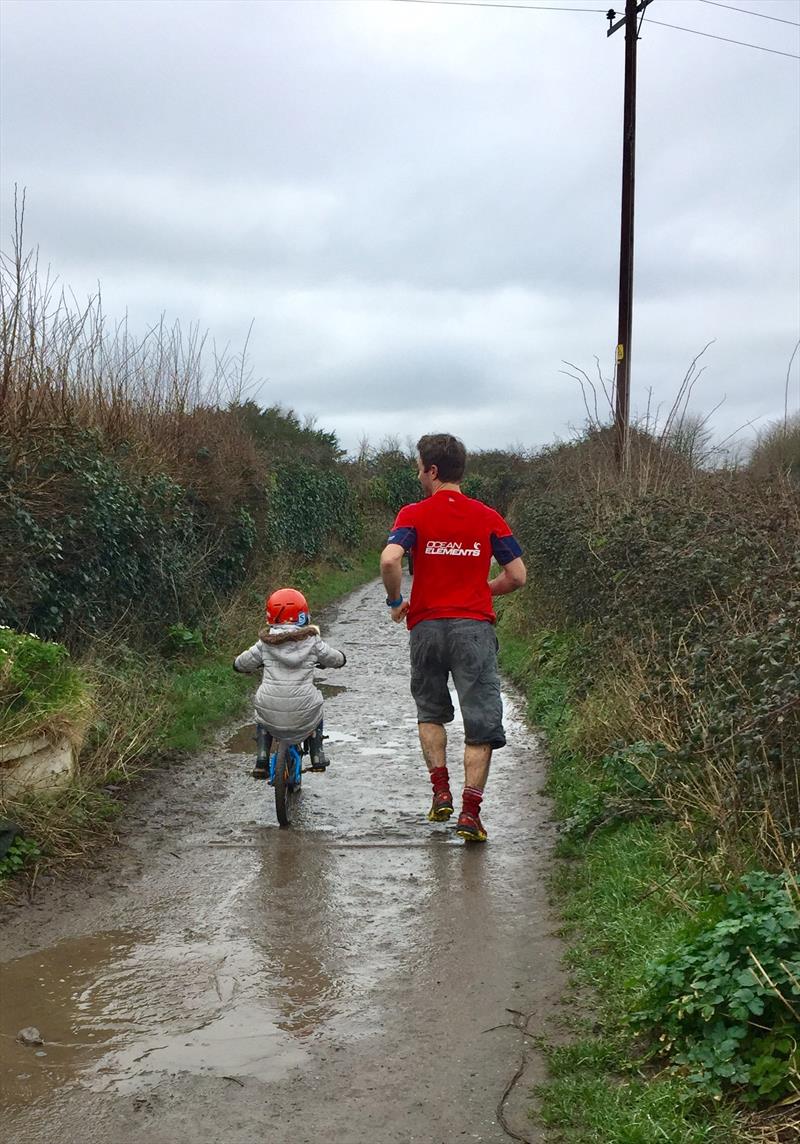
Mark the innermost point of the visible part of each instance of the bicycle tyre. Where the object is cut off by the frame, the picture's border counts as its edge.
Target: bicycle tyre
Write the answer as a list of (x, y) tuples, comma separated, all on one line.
[(282, 764)]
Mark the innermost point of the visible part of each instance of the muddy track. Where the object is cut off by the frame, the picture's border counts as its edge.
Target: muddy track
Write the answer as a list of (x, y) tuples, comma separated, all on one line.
[(349, 979)]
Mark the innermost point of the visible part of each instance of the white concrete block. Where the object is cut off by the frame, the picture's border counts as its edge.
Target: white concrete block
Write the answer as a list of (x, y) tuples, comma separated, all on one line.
[(35, 764)]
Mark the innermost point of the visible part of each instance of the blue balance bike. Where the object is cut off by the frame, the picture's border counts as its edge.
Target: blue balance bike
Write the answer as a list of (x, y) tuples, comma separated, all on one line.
[(285, 775)]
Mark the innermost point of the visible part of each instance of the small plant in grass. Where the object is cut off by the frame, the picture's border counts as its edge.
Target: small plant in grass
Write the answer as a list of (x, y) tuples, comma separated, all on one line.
[(728, 1000), (21, 852), (40, 690), (184, 641), (620, 792)]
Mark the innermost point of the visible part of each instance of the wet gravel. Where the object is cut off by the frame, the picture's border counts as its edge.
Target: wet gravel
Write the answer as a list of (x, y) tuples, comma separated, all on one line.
[(222, 979)]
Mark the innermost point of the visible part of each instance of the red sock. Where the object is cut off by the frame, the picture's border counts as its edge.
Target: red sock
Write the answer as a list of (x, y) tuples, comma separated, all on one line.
[(440, 780), (472, 801)]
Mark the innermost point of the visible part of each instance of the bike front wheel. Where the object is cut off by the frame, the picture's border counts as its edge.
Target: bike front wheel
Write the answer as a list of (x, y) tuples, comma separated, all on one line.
[(282, 764)]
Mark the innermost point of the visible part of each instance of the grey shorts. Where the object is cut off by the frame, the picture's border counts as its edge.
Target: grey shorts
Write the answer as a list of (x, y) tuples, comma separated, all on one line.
[(467, 650)]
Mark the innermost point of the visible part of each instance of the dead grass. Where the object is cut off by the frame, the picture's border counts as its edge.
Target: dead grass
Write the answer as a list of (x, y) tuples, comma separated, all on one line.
[(160, 402), (778, 1125), (130, 689), (777, 450), (622, 708), (729, 813)]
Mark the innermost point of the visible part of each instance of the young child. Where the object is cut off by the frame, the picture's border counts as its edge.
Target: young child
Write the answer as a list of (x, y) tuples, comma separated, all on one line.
[(288, 705)]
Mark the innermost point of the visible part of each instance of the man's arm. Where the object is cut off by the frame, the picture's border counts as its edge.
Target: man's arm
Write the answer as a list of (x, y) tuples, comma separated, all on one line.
[(513, 576), (392, 576)]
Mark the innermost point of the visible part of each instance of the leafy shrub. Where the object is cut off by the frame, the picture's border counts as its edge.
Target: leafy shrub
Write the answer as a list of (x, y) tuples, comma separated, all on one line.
[(495, 476), (741, 678), (87, 537), (184, 641), (728, 1000), (39, 687), (21, 852), (279, 432)]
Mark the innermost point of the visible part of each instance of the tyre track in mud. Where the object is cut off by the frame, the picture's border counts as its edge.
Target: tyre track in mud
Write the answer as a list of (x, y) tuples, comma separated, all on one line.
[(221, 979)]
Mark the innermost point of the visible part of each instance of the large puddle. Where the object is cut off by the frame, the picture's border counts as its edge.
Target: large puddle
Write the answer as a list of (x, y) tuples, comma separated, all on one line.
[(115, 1008)]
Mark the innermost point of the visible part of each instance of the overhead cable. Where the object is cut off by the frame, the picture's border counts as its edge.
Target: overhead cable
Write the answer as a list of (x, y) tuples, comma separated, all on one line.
[(725, 39), (489, 4), (593, 11), (750, 12)]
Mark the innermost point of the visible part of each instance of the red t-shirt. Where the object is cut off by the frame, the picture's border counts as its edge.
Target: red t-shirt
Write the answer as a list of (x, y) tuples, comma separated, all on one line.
[(453, 539)]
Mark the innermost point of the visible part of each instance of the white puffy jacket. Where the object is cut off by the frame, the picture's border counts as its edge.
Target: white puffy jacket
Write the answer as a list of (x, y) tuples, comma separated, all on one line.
[(287, 702)]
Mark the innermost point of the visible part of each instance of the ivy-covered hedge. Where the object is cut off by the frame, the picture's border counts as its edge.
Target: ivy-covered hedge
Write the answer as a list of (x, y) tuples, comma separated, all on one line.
[(93, 535), (88, 540), (689, 598), (309, 509)]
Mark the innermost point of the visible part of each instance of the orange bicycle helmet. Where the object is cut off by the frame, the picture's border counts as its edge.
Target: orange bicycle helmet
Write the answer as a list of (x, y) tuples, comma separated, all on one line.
[(288, 606)]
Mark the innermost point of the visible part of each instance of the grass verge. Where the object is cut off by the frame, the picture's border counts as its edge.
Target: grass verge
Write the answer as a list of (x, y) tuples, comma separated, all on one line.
[(626, 897), (149, 708)]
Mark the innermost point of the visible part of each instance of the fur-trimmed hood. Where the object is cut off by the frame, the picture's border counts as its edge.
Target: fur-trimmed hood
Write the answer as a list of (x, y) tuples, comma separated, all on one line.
[(272, 637)]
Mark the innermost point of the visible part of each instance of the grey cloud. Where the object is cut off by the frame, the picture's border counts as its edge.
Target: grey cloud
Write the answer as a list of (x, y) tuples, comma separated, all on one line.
[(410, 197)]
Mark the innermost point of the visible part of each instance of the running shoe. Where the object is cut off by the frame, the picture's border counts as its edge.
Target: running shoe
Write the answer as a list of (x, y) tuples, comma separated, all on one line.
[(470, 827), (260, 771), (441, 807)]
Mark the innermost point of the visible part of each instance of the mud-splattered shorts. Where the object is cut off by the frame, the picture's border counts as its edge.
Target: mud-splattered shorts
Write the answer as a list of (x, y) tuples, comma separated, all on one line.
[(467, 650)]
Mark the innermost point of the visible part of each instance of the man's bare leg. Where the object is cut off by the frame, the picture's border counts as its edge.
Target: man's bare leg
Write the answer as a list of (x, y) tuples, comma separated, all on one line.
[(477, 757), (433, 739)]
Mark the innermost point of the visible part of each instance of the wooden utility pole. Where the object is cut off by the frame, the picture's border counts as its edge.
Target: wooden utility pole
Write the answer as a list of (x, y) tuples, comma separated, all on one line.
[(622, 377)]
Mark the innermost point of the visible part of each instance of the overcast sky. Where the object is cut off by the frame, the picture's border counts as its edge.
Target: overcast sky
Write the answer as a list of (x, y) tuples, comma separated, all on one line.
[(418, 205)]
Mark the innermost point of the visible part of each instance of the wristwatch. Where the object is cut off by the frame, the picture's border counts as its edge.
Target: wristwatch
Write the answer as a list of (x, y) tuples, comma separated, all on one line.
[(394, 603)]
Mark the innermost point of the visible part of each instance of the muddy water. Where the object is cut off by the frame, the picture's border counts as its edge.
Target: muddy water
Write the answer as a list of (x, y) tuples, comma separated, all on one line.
[(220, 978)]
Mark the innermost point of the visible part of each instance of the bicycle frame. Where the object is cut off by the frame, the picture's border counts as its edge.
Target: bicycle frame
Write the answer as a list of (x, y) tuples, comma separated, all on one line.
[(295, 768)]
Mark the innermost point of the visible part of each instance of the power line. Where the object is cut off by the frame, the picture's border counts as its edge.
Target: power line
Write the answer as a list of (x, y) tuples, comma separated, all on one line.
[(749, 12), (725, 39), (662, 23), (488, 4)]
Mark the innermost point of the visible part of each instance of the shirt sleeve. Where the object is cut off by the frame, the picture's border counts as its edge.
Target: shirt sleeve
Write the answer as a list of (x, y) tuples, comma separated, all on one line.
[(404, 531), (505, 546)]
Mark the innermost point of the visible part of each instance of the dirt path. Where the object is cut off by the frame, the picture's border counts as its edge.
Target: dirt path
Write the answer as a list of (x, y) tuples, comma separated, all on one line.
[(225, 980)]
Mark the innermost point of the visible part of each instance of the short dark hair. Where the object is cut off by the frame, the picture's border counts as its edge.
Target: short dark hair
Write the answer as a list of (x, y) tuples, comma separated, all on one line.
[(444, 451)]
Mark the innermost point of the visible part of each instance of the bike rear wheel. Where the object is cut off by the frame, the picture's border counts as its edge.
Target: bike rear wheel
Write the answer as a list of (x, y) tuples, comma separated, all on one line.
[(282, 764)]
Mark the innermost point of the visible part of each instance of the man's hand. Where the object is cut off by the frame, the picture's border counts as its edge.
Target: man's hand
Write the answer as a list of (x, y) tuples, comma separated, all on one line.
[(399, 613)]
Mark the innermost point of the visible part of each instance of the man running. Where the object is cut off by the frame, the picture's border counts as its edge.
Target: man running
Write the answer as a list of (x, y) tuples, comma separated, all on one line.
[(451, 620)]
